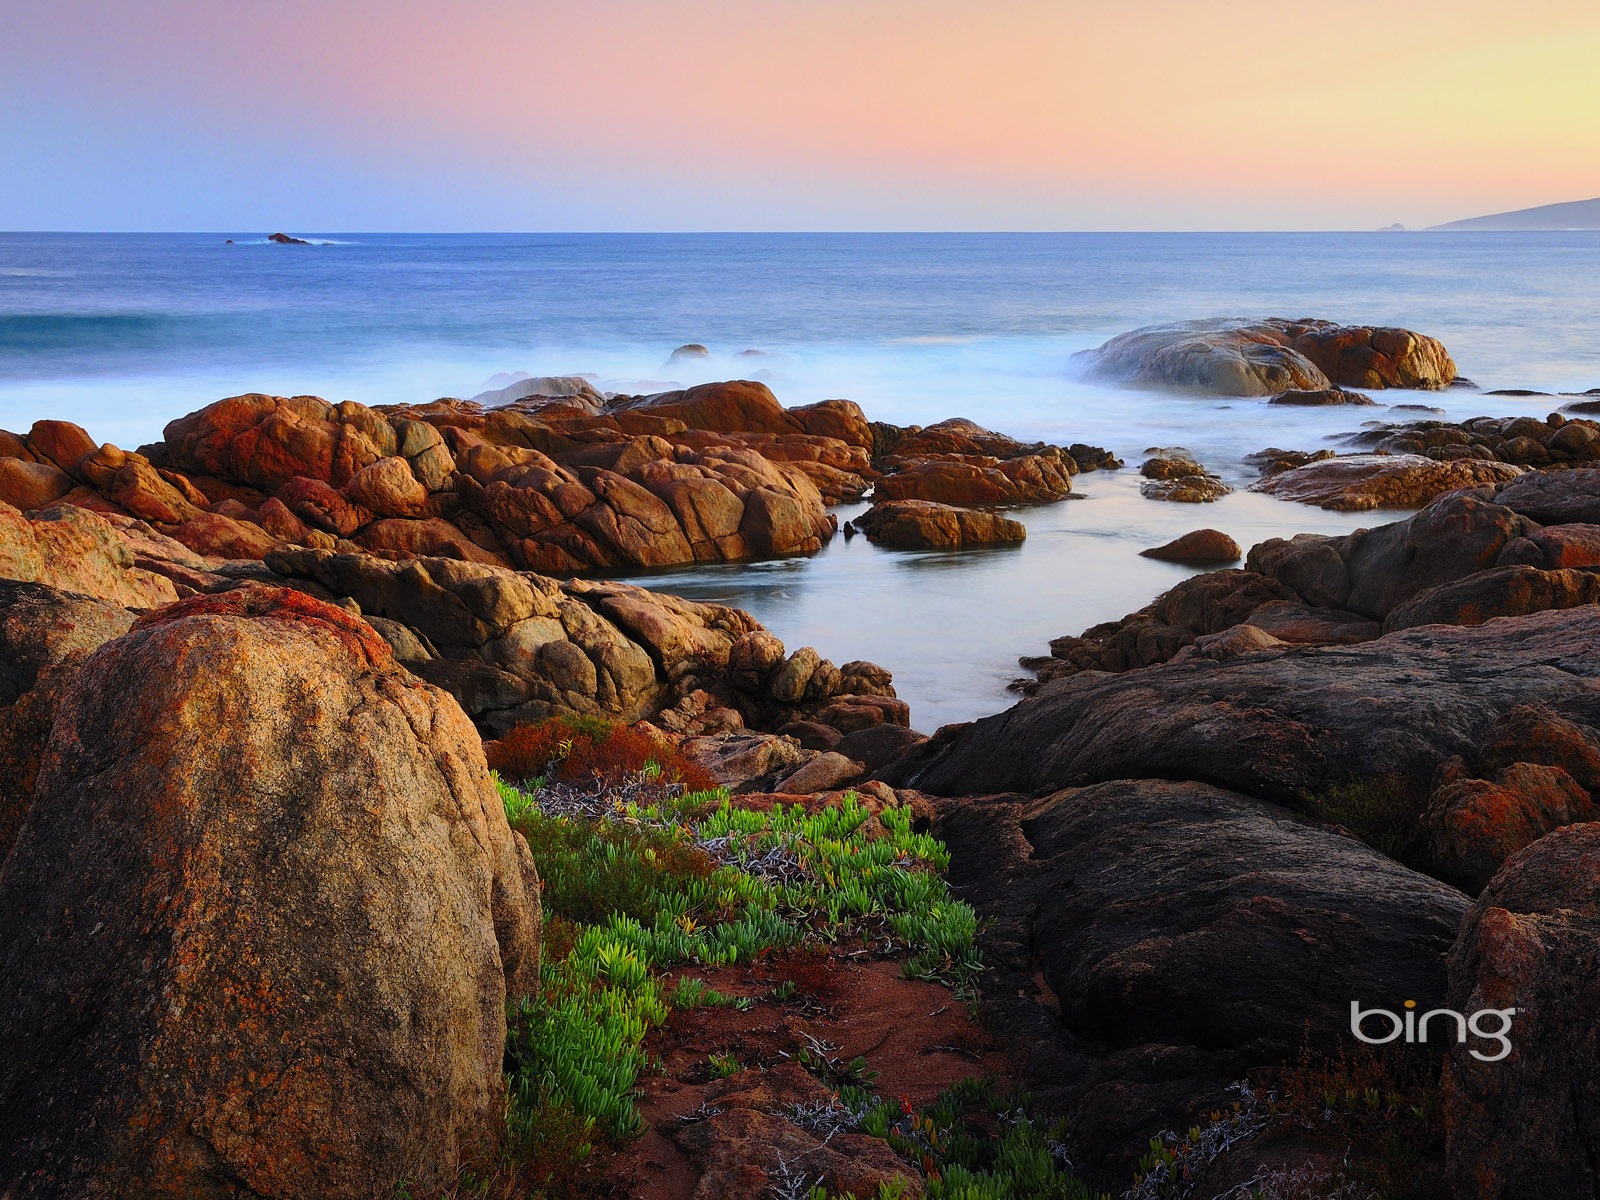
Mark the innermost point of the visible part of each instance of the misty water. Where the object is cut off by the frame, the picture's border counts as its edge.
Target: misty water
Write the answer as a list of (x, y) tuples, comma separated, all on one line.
[(122, 333)]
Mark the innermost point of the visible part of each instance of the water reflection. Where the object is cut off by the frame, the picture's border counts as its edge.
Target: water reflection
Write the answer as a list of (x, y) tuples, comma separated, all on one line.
[(951, 625)]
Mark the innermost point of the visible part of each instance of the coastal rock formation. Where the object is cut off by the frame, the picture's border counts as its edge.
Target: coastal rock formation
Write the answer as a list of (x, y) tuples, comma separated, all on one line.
[(77, 551), (1529, 1124), (1277, 725), (1152, 942), (1173, 474), (515, 647), (247, 825), (1197, 546), (923, 525), (1355, 483), (1525, 441), (1263, 358), (977, 480)]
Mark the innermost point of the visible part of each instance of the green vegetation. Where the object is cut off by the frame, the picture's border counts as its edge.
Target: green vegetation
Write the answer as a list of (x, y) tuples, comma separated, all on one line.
[(975, 1142), (640, 878), (1383, 812)]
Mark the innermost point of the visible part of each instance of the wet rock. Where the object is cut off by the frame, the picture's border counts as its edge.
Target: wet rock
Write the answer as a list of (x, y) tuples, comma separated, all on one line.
[(1198, 546), (1185, 489), (1358, 482), (1261, 358), (1320, 397), (1529, 1124), (192, 1031), (924, 525)]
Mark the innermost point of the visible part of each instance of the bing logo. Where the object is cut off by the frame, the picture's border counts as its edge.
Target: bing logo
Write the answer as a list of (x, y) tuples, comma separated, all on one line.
[(1414, 1028)]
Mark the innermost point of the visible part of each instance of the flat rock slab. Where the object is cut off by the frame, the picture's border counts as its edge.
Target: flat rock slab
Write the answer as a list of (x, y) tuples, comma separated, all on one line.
[(1277, 726)]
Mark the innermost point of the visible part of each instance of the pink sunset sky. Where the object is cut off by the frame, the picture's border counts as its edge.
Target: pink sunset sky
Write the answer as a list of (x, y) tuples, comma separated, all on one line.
[(792, 114)]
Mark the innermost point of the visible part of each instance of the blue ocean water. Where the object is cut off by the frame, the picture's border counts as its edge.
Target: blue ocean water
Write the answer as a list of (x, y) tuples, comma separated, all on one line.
[(122, 333)]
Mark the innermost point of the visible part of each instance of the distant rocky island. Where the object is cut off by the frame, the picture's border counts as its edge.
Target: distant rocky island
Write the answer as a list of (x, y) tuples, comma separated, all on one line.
[(1574, 214)]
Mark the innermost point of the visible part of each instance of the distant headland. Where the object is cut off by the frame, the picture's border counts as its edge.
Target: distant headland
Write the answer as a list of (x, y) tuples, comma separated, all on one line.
[(1575, 214)]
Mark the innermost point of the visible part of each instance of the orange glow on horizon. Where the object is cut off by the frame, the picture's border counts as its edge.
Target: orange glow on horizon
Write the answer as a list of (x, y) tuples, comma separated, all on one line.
[(1156, 114)]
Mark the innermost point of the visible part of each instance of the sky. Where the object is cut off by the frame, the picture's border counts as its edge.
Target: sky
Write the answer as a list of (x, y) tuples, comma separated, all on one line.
[(495, 115)]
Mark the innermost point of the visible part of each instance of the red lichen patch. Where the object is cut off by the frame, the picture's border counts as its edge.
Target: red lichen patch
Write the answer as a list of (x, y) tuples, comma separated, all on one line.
[(261, 602), (917, 1036)]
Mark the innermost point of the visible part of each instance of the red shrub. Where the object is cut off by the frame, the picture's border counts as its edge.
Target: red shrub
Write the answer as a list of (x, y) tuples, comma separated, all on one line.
[(584, 750)]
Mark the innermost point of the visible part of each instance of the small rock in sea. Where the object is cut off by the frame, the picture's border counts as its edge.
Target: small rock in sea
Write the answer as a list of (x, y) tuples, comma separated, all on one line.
[(1198, 546), (1320, 397), (689, 351), (849, 531), (283, 239), (1515, 392)]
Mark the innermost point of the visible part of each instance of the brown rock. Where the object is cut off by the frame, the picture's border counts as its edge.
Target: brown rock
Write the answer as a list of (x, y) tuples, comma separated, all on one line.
[(734, 406), (44, 635), (250, 984), (1260, 358), (1474, 825), (979, 481), (28, 485), (1320, 397), (739, 760), (1528, 1124), (389, 489), (223, 537), (924, 525), (323, 507), (76, 551), (1185, 489), (1358, 482), (432, 538), (1199, 546), (1500, 592), (61, 443), (822, 773)]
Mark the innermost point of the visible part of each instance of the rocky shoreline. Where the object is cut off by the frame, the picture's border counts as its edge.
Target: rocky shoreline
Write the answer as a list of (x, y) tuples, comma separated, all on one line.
[(264, 902)]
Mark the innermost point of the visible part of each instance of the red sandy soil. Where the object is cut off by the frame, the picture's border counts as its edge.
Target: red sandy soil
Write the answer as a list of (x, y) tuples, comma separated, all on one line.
[(917, 1036)]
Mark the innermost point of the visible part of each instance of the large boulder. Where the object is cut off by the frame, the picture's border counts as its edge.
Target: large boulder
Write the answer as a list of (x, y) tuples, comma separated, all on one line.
[(1283, 725), (1150, 942), (1235, 357), (284, 914), (1528, 1123), (1358, 482), (44, 636)]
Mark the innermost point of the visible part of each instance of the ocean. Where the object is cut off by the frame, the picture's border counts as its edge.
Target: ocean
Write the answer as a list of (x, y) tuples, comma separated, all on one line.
[(124, 332)]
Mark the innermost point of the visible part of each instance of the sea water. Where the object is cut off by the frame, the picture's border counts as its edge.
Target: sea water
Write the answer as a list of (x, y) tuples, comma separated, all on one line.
[(122, 333)]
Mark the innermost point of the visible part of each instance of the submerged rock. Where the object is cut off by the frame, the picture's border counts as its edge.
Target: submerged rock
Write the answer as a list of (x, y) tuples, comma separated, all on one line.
[(284, 914)]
